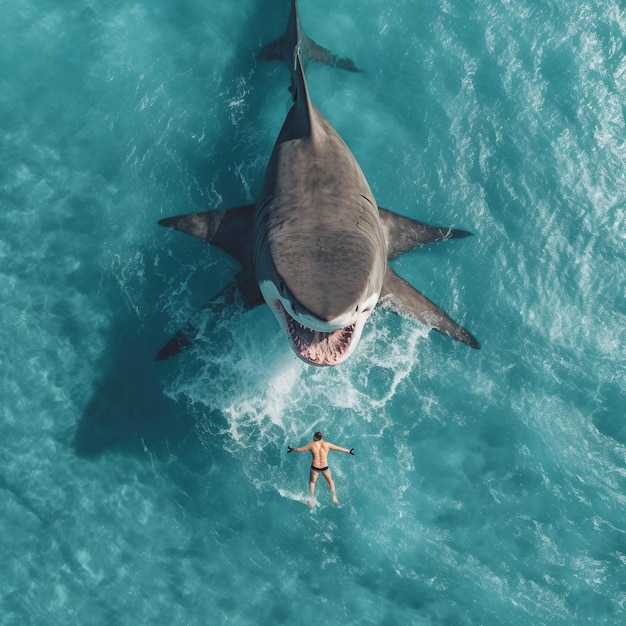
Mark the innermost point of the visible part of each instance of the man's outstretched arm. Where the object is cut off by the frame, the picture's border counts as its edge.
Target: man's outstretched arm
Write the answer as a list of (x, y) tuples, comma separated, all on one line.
[(332, 446), (302, 449)]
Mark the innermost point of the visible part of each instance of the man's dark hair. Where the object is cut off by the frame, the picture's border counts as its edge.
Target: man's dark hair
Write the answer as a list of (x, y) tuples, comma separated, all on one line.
[(317, 436)]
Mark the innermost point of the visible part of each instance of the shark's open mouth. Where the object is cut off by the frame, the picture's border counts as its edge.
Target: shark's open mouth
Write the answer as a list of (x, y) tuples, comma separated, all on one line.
[(317, 346)]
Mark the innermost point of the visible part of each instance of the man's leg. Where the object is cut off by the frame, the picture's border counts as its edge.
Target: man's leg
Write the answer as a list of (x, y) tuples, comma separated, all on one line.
[(312, 479), (331, 483)]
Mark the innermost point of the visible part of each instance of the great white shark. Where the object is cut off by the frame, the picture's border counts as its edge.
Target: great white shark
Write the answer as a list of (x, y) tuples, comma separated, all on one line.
[(315, 246)]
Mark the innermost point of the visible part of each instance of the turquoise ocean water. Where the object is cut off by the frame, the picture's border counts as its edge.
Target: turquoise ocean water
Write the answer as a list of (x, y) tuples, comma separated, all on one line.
[(487, 488)]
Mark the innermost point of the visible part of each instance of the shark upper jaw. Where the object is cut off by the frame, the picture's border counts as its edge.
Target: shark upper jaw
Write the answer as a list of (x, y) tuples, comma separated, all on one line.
[(317, 347), (330, 343)]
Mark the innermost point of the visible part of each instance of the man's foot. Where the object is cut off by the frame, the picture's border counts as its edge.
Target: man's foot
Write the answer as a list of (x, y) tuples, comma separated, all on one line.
[(335, 501)]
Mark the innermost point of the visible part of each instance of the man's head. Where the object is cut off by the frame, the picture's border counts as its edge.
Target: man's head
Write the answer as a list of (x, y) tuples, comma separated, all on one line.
[(317, 436)]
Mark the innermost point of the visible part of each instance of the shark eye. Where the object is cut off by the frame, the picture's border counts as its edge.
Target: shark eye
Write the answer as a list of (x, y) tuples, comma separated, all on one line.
[(281, 286)]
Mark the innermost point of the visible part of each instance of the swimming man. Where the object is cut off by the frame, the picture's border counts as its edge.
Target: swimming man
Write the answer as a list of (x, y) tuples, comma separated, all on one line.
[(319, 449)]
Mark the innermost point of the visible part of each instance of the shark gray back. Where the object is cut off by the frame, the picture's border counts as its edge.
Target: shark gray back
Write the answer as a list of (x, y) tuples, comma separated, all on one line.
[(320, 250)]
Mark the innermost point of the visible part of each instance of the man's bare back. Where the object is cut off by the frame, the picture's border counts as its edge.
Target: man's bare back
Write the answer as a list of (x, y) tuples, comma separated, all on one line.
[(319, 450)]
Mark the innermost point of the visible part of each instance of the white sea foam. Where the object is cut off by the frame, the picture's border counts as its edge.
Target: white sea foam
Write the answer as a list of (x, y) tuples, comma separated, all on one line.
[(277, 393)]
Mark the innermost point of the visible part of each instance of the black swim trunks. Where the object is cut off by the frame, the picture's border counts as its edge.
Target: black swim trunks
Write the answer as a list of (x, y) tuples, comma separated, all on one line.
[(319, 469)]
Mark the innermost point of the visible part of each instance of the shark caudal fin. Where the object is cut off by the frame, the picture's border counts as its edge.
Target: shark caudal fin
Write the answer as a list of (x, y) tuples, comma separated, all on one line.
[(284, 48), (404, 299)]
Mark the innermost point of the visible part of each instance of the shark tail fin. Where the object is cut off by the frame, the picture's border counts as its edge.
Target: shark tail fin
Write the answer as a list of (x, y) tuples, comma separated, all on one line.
[(318, 54), (295, 38)]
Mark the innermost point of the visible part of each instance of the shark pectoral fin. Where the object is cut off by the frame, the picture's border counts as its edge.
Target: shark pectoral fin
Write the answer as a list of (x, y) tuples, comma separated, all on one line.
[(403, 234), (404, 299), (184, 337), (228, 229), (178, 342)]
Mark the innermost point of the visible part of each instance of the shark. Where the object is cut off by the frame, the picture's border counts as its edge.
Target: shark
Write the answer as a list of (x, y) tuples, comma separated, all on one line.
[(316, 246)]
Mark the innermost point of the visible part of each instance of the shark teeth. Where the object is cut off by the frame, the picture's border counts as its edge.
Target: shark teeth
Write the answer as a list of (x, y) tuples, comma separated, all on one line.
[(324, 348), (317, 346)]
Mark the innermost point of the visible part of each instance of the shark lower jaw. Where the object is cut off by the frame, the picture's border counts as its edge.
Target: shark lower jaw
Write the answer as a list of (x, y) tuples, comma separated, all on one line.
[(317, 347)]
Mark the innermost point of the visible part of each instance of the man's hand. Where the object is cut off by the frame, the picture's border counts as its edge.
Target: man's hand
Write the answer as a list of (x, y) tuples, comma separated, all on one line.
[(352, 451), (289, 449)]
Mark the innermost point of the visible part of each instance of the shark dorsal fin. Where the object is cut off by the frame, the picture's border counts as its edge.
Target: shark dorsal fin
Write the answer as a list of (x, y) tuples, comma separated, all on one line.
[(300, 93)]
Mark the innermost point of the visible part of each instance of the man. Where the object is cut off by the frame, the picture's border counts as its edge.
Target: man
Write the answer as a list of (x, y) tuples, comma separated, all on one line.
[(319, 449)]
